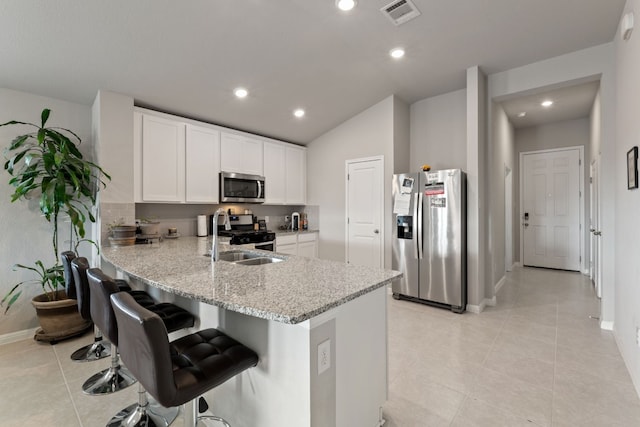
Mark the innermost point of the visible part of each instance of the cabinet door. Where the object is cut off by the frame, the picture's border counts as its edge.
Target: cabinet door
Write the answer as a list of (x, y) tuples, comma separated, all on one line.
[(308, 249), (288, 249), (163, 158), (202, 164), (274, 173), (296, 174), (240, 154)]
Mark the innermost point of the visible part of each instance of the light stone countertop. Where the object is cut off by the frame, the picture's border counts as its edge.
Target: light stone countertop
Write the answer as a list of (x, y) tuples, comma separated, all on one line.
[(291, 291)]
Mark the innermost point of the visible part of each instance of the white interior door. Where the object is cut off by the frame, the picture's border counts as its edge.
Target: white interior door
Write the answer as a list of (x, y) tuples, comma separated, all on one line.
[(365, 204), (551, 209), (595, 227)]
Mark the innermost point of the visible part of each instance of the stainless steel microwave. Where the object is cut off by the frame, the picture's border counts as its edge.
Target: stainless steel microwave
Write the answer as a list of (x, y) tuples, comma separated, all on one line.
[(241, 188)]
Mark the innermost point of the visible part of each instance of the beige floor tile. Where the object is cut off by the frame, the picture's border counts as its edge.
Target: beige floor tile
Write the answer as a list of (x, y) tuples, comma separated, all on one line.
[(477, 413), (517, 325), (606, 367), (41, 409), (399, 412), (514, 343), (416, 388), (514, 396), (522, 366), (98, 410)]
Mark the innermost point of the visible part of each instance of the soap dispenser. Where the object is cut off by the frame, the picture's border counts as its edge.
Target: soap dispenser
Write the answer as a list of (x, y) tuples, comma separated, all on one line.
[(295, 221)]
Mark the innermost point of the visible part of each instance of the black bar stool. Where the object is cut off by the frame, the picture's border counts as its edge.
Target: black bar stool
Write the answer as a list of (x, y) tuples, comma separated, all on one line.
[(181, 371), (142, 413), (78, 289)]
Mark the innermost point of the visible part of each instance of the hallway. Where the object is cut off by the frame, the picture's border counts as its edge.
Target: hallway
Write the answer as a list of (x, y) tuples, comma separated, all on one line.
[(534, 359)]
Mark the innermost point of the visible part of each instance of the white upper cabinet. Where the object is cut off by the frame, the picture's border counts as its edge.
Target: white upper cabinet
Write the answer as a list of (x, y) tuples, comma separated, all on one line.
[(241, 154), (296, 175), (202, 165), (274, 173), (179, 160), (163, 160)]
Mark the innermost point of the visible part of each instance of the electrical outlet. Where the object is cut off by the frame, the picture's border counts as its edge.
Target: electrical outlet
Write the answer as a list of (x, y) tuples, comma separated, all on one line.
[(287, 218), (266, 219), (324, 356)]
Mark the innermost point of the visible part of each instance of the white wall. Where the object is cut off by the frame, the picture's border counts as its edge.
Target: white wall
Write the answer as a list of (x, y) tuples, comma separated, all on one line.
[(26, 236), (581, 66), (502, 157), (438, 132), (627, 231), (569, 133), (369, 133)]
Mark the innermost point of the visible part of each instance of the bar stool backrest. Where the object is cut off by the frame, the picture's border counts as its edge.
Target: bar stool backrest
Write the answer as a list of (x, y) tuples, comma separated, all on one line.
[(69, 283), (79, 267), (101, 287), (144, 347)]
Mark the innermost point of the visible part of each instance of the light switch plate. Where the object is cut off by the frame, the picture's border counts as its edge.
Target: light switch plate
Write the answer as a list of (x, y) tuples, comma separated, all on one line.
[(324, 356)]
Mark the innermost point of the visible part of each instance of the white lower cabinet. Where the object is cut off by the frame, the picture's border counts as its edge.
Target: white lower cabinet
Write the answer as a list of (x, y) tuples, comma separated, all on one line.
[(304, 244)]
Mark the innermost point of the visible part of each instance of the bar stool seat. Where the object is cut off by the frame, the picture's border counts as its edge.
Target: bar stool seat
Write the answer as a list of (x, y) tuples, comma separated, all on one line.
[(181, 371)]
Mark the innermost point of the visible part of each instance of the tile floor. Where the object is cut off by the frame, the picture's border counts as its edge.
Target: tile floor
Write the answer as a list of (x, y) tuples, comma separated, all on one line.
[(536, 359)]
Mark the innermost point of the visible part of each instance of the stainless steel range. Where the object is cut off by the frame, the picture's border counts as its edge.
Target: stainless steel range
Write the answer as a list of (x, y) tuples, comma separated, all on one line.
[(243, 233)]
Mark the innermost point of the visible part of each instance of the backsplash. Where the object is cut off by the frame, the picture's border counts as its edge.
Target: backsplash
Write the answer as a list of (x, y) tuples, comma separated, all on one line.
[(184, 217)]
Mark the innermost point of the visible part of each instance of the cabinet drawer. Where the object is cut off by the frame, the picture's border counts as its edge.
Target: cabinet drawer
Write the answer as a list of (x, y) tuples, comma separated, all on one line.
[(286, 239), (307, 237)]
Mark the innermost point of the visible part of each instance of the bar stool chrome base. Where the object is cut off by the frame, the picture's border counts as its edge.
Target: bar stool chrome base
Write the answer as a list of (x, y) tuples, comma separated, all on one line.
[(96, 351), (191, 416), (146, 413), (110, 380)]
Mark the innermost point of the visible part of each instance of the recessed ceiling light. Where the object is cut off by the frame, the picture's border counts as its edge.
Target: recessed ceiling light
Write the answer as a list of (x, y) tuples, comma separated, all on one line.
[(547, 103), (240, 92), (298, 112), (346, 5), (396, 52), (522, 114)]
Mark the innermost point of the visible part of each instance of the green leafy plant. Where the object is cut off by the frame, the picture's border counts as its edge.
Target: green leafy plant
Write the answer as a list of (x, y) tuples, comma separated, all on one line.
[(46, 164)]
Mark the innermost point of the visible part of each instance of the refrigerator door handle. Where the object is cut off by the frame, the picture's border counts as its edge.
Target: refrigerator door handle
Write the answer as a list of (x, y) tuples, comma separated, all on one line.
[(420, 253), (415, 224)]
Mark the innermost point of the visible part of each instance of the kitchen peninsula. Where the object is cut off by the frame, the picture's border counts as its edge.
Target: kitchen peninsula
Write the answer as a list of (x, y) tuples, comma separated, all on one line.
[(318, 326)]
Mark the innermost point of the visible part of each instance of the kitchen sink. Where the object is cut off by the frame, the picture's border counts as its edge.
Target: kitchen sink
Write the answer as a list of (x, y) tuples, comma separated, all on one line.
[(233, 256), (258, 261), (246, 258)]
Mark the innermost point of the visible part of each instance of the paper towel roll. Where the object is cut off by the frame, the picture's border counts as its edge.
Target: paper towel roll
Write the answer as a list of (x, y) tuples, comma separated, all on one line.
[(202, 225)]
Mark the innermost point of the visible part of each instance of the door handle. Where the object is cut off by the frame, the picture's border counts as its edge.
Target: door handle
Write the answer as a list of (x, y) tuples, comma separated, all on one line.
[(592, 230), (526, 224), (376, 231), (597, 233)]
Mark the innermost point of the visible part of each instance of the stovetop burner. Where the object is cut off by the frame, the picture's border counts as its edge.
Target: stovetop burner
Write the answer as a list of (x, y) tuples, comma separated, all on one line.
[(242, 237)]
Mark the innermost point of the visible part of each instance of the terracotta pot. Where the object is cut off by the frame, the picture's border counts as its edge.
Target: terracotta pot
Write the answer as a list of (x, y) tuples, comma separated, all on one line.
[(59, 318)]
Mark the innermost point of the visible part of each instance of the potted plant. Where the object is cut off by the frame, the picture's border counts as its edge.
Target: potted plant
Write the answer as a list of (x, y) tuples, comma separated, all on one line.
[(46, 164)]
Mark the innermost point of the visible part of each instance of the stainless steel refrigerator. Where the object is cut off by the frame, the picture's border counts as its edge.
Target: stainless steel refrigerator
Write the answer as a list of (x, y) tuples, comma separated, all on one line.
[(430, 237)]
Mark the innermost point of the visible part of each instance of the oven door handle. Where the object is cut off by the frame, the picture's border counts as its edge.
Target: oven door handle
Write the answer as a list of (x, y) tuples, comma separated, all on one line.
[(260, 195)]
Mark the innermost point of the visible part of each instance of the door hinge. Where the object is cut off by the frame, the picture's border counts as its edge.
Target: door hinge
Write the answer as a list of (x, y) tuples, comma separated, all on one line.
[(590, 180), (347, 220), (580, 258), (348, 176), (579, 162)]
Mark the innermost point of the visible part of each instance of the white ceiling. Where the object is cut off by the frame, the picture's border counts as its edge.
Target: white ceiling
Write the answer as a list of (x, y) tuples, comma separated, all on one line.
[(186, 57), (569, 103)]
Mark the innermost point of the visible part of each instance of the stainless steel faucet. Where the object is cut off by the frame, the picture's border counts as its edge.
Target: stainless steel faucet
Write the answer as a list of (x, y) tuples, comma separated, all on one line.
[(214, 240)]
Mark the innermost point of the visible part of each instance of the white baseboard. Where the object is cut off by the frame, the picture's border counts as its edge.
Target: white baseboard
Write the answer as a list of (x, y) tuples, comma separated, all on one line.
[(517, 264), (17, 336), (477, 309), (606, 325), (500, 284)]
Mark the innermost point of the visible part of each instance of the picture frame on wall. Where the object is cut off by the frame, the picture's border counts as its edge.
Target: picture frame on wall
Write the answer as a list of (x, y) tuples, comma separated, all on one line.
[(632, 168)]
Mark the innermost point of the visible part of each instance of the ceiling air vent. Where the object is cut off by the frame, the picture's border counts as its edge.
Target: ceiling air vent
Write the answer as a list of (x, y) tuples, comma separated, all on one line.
[(400, 11)]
